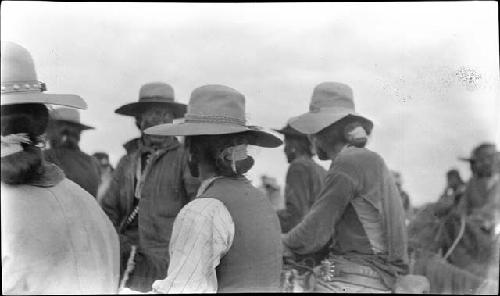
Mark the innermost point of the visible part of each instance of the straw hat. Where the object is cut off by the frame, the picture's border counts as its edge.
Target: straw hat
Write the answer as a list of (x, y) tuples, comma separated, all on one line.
[(153, 94), (216, 110), (20, 83), (330, 102), (71, 116)]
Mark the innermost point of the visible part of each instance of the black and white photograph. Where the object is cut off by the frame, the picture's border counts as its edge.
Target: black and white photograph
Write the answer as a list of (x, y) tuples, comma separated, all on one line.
[(275, 147)]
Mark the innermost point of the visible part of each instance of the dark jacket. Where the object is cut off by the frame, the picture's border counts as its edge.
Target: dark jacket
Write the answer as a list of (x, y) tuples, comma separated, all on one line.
[(254, 261), (304, 180), (78, 166), (361, 209), (166, 187)]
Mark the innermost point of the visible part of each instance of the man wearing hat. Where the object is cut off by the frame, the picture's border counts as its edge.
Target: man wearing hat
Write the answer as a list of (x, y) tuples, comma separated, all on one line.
[(228, 238), (359, 207), (63, 134), (55, 237), (149, 187), (483, 188), (304, 178)]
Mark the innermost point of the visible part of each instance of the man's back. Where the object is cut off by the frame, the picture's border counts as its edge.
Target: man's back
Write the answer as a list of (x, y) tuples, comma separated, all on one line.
[(56, 240)]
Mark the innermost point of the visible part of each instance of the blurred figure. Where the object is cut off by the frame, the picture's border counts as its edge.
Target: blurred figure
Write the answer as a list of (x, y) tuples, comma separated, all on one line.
[(150, 185), (482, 194), (55, 237), (398, 179), (63, 134), (271, 189), (304, 178), (106, 171)]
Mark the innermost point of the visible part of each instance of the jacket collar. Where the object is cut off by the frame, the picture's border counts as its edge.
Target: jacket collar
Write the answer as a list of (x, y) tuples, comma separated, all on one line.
[(51, 176)]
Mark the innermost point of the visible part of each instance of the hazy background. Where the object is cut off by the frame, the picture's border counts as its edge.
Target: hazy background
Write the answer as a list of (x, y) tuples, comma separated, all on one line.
[(426, 73)]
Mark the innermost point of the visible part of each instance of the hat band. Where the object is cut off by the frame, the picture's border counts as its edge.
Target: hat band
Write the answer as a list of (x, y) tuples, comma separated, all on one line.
[(22, 86), (213, 119), (156, 99), (314, 109)]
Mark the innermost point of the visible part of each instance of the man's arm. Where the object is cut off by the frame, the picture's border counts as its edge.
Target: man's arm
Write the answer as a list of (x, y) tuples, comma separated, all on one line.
[(319, 224), (203, 232)]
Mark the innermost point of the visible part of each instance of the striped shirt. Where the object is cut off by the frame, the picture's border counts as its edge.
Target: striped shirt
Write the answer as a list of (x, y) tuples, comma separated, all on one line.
[(202, 234)]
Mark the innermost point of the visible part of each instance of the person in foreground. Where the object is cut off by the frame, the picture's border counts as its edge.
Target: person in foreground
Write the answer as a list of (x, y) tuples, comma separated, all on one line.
[(55, 237), (359, 207), (228, 238)]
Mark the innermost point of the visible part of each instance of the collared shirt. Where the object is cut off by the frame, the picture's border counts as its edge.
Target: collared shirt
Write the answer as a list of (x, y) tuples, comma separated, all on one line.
[(203, 233)]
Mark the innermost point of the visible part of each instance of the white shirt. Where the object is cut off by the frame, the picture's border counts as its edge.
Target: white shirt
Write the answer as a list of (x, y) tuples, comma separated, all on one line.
[(202, 233)]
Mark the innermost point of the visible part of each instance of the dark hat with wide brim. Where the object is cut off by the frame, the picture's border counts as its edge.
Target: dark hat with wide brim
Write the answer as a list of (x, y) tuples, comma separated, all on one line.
[(216, 110), (156, 94)]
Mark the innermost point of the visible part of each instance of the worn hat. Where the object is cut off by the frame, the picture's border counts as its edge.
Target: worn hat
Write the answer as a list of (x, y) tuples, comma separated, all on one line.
[(71, 116), (330, 102), (481, 149), (216, 110), (153, 94), (20, 83)]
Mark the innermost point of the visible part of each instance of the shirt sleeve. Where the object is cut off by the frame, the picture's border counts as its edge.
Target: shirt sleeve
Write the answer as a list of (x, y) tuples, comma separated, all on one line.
[(318, 225), (202, 234)]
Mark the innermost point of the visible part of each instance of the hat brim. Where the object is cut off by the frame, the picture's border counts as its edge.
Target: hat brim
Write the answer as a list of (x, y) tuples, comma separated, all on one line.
[(137, 108), (81, 126), (67, 100), (311, 123), (254, 135)]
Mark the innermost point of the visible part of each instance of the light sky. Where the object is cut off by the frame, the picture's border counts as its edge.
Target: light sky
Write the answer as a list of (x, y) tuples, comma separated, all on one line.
[(407, 63)]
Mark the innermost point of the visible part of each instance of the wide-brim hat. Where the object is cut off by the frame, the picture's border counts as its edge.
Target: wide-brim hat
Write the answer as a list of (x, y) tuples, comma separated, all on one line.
[(20, 83), (330, 102), (70, 116), (216, 110), (153, 94)]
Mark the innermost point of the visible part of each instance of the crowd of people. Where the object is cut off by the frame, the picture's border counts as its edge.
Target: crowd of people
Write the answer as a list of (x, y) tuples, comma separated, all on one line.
[(181, 217)]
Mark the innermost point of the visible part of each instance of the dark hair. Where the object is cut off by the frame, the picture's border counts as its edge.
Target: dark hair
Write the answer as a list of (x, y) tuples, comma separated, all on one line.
[(210, 147), (301, 144), (30, 118), (338, 131)]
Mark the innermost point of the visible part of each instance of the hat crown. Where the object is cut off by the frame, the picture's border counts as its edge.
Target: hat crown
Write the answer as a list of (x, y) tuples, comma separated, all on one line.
[(67, 114), (17, 64), (156, 90), (216, 102), (331, 95)]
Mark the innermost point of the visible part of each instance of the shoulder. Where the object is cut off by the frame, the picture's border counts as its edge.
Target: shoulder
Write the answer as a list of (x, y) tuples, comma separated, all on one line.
[(203, 209)]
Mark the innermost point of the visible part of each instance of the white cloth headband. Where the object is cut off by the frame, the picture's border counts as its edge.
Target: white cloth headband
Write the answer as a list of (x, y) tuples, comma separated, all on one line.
[(358, 133), (234, 154), (12, 143)]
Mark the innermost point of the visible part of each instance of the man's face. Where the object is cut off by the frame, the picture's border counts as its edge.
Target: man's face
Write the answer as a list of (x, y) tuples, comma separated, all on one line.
[(103, 162), (483, 163), (63, 135), (318, 147), (151, 117)]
